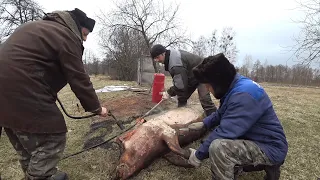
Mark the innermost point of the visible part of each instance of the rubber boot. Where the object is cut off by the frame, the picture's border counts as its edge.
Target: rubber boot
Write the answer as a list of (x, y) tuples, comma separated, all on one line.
[(182, 104), (59, 176), (252, 168), (238, 171), (272, 172)]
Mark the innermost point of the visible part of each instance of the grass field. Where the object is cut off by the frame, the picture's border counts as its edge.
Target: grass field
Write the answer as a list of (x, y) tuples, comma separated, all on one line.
[(297, 108)]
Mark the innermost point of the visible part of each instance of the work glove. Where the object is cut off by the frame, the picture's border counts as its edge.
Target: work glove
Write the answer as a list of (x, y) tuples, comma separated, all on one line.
[(165, 95), (193, 160), (196, 126)]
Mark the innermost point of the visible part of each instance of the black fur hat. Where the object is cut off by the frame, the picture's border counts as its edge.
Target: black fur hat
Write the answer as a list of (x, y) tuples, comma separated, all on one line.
[(218, 72), (156, 50), (83, 20)]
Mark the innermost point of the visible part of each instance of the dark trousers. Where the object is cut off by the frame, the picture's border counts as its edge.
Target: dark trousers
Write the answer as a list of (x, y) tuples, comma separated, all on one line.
[(226, 154), (204, 97), (39, 154)]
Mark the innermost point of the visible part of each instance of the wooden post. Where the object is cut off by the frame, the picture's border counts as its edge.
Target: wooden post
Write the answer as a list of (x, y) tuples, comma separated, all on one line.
[(139, 75)]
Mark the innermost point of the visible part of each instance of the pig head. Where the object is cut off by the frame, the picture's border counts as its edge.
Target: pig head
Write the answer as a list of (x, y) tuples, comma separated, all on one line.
[(159, 135)]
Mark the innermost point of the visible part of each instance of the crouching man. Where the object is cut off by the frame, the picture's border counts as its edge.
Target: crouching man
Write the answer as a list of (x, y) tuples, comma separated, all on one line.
[(179, 64), (247, 130)]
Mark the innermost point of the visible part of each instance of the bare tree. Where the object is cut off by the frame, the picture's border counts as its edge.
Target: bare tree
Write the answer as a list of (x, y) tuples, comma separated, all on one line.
[(246, 67), (227, 44), (307, 47), (88, 56), (95, 66), (151, 18), (205, 46), (256, 71), (298, 74), (316, 77), (212, 43), (124, 48), (200, 46), (91, 62), (13, 13), (2, 36)]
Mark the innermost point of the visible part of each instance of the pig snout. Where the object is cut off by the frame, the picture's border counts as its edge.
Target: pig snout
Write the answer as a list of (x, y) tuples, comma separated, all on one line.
[(122, 171)]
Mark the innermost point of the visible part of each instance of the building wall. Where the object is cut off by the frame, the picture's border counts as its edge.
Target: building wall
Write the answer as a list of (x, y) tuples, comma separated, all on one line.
[(146, 71)]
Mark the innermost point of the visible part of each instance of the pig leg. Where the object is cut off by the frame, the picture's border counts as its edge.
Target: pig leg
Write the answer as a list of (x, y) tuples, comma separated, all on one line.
[(172, 141), (126, 136), (177, 160)]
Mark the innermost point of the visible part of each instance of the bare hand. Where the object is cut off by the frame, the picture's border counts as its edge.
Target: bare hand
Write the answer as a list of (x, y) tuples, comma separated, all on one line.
[(104, 112)]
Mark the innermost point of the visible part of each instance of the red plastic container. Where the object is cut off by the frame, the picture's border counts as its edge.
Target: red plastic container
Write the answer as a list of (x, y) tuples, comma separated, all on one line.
[(157, 87)]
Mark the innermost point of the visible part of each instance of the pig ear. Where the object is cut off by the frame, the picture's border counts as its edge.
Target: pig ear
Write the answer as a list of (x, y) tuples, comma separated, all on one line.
[(120, 146)]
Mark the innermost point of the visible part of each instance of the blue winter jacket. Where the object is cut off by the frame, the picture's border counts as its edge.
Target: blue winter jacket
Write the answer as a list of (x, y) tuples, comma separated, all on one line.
[(246, 112)]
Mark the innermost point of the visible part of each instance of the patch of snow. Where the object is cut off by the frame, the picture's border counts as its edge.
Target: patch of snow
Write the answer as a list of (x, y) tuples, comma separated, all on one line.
[(114, 88)]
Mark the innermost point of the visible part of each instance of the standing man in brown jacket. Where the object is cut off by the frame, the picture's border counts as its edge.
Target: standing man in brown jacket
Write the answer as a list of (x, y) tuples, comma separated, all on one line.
[(36, 62)]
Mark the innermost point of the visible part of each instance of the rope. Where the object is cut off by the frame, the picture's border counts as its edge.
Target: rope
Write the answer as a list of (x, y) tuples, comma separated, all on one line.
[(74, 117), (97, 145), (88, 116)]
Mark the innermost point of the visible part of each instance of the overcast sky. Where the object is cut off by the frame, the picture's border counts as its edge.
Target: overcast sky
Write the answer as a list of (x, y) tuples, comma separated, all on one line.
[(263, 28)]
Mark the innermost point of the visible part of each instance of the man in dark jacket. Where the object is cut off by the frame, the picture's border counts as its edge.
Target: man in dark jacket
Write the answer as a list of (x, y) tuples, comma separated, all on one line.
[(36, 62), (247, 130), (179, 63)]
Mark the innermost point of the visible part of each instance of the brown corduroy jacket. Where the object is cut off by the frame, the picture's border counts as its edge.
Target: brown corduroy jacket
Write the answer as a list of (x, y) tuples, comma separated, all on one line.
[(36, 62)]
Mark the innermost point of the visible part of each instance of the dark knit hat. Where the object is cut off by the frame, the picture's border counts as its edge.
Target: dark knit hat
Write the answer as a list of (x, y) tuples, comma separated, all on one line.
[(156, 50), (218, 72), (83, 20)]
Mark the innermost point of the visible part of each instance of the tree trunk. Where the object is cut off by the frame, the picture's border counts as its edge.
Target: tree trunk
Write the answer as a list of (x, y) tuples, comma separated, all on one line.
[(149, 49)]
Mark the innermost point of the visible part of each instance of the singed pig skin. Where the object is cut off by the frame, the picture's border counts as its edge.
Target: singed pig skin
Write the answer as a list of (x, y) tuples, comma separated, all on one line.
[(159, 135)]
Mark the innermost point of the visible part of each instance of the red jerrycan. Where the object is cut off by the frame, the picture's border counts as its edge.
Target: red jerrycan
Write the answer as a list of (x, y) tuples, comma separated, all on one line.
[(157, 87)]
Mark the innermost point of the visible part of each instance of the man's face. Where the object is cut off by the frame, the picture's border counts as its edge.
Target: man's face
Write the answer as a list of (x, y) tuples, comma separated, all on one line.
[(160, 58), (84, 32)]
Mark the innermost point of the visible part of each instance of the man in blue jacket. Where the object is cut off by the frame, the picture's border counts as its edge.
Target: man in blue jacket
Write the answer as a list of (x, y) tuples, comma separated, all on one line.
[(247, 132)]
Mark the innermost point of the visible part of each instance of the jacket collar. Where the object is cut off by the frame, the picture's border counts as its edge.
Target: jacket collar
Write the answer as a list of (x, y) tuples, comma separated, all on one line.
[(65, 18), (166, 60), (235, 80)]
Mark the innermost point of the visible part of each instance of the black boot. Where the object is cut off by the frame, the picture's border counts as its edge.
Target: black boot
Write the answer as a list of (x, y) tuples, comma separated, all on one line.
[(272, 172), (182, 103), (59, 175), (251, 168), (238, 171)]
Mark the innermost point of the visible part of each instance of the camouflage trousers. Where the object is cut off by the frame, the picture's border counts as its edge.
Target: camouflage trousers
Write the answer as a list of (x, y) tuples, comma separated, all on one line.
[(38, 153), (226, 154), (204, 97)]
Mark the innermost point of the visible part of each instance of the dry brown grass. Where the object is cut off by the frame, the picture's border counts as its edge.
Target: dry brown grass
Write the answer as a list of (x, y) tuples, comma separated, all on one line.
[(297, 108)]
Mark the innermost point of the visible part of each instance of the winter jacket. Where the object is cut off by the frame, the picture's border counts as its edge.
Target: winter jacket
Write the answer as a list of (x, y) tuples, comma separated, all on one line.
[(36, 62), (246, 112), (180, 63)]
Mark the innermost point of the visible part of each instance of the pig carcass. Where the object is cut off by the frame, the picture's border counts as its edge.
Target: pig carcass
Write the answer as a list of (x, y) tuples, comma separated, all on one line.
[(160, 134)]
